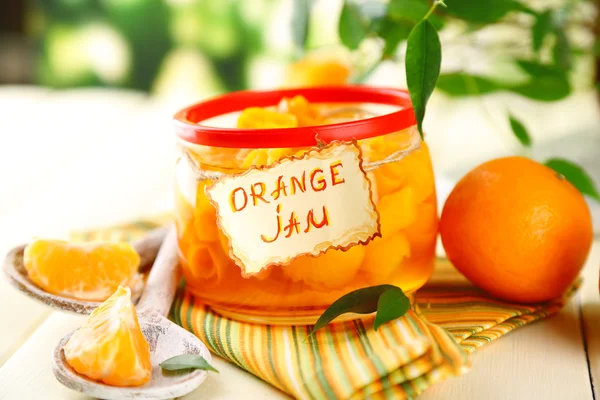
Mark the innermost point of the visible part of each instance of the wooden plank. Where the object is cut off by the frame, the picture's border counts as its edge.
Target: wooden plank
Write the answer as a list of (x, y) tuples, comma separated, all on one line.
[(544, 360), (233, 383), (22, 314), (28, 373), (590, 313), (20, 317)]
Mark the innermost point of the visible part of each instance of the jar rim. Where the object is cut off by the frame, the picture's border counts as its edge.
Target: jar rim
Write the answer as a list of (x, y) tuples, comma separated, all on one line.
[(189, 129)]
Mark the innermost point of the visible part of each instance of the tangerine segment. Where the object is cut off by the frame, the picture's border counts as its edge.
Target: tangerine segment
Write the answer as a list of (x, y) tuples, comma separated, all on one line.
[(260, 118), (207, 263), (88, 271), (205, 216), (110, 346), (332, 270), (380, 147), (224, 248), (306, 113), (413, 272), (261, 157), (184, 211), (397, 211), (422, 233), (384, 256), (414, 170)]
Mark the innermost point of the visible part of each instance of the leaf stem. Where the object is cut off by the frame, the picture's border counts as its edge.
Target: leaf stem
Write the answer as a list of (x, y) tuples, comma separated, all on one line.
[(433, 7)]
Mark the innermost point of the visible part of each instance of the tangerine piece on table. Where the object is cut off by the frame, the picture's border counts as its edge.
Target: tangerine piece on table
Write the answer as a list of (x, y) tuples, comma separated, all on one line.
[(110, 346), (517, 229), (257, 118), (332, 270), (87, 271)]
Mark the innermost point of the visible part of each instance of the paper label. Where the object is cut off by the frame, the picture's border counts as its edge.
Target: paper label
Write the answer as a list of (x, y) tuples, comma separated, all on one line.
[(297, 206)]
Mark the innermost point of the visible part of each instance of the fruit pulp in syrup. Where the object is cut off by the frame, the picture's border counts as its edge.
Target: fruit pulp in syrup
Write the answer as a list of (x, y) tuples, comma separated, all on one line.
[(402, 190)]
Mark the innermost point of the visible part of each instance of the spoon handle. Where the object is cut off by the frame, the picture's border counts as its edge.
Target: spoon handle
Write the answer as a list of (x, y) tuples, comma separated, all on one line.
[(163, 278), (148, 246)]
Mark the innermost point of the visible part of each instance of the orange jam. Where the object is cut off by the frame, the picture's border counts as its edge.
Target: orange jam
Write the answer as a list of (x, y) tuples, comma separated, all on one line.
[(398, 167)]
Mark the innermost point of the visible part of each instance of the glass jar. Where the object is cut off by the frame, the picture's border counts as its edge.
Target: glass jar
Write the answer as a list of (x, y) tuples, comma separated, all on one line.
[(397, 164)]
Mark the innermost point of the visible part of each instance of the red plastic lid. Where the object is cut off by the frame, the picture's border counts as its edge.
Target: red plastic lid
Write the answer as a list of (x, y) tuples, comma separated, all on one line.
[(188, 121)]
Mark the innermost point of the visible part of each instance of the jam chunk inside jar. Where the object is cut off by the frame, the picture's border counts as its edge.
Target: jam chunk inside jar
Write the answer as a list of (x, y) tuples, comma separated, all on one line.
[(228, 135)]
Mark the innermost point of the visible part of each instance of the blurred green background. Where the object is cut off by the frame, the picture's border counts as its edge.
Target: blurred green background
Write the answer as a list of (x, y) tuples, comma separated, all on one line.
[(211, 45), (182, 47)]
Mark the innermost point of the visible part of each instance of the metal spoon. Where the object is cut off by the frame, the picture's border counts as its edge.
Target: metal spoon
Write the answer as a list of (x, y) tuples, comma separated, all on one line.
[(147, 247), (165, 338)]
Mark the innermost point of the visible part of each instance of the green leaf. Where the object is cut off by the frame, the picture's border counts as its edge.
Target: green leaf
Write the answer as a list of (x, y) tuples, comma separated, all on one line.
[(535, 69), (596, 48), (351, 28), (300, 22), (520, 131), (544, 89), (541, 28), (561, 52), (481, 12), (459, 84), (576, 175), (393, 33), (547, 83), (361, 301), (392, 304), (412, 11), (187, 361), (422, 61)]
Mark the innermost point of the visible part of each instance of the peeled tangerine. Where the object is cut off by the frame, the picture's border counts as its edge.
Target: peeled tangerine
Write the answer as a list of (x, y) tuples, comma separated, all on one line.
[(88, 271), (332, 270), (257, 117), (110, 346)]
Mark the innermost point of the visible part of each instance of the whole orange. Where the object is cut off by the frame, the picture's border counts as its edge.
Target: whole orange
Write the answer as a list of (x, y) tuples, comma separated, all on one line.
[(517, 229)]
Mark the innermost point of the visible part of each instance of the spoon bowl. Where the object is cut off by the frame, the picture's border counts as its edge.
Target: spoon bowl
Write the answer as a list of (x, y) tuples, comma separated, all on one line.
[(166, 340), (14, 270)]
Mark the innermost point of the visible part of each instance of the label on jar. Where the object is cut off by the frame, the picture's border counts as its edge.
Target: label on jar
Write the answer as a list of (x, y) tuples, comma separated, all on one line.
[(296, 206)]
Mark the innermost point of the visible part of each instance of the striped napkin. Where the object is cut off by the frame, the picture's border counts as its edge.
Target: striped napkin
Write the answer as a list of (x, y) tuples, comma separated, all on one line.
[(350, 360)]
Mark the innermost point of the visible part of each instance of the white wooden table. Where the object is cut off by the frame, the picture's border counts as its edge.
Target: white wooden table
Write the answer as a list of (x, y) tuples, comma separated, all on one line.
[(94, 158)]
